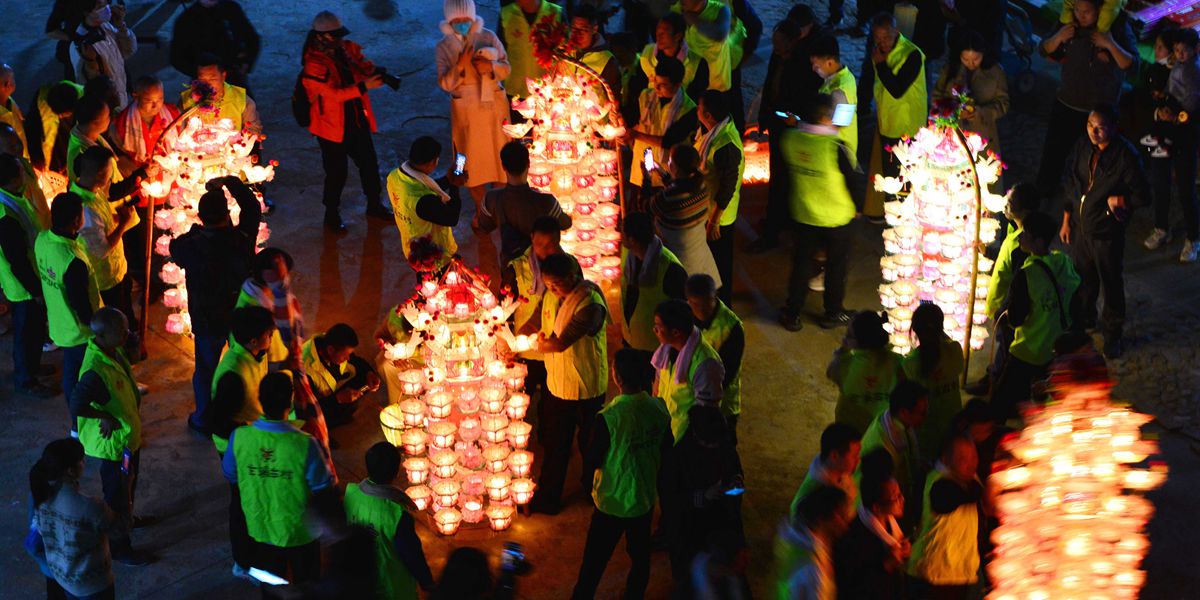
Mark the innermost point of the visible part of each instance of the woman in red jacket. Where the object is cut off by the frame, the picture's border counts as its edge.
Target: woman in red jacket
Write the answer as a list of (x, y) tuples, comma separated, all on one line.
[(337, 77)]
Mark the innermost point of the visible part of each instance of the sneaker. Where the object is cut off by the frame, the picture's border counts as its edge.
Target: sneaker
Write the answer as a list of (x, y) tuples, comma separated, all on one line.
[(791, 321), (1160, 152), (241, 572), (840, 318), (1157, 239), (334, 223), (1189, 252), (1149, 141), (143, 389), (817, 283), (49, 347)]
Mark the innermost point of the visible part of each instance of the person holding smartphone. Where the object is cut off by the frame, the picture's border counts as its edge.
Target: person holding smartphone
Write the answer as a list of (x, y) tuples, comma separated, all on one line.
[(667, 117)]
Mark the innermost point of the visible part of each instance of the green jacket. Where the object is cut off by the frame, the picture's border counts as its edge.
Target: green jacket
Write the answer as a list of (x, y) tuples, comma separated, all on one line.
[(626, 485)]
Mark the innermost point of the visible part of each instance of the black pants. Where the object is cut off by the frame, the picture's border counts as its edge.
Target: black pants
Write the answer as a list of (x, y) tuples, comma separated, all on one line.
[(72, 362), (563, 418), (298, 564), (120, 297), (119, 491), (1014, 385), (208, 346), (239, 537), (777, 193), (603, 535), (722, 251), (1101, 267), (535, 387), (29, 331), (837, 242), (135, 254), (1177, 175), (1065, 127), (359, 147)]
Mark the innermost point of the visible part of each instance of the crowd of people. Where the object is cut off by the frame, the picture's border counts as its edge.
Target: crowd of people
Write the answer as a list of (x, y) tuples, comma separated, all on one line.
[(896, 502)]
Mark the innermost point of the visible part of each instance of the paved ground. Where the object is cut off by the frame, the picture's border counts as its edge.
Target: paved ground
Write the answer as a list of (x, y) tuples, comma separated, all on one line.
[(356, 277)]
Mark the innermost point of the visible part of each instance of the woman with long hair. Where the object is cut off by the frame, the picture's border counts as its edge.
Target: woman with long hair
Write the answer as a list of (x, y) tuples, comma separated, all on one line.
[(74, 528), (937, 364), (974, 71), (865, 370)]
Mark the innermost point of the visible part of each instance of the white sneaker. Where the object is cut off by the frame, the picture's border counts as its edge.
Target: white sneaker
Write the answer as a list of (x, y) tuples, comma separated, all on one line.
[(1190, 251), (241, 573), (143, 389), (1160, 152), (1157, 239), (49, 347), (1149, 141), (817, 284)]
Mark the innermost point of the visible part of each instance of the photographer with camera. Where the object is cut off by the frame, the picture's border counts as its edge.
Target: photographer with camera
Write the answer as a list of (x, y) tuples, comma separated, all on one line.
[(336, 78)]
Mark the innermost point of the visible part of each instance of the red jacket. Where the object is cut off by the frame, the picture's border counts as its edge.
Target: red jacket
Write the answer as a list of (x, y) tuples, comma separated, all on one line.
[(327, 92)]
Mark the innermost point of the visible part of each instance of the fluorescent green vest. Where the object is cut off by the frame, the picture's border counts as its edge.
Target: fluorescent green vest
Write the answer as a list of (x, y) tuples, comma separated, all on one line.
[(54, 254), (530, 301), (627, 484), (231, 106), (13, 290), (11, 114), (945, 398), (580, 371), (946, 551), (50, 121), (906, 463), (648, 60), (905, 115), (77, 144), (728, 135), (1033, 341), (123, 403), (393, 581), (680, 397), (515, 30), (271, 479), (722, 56), (638, 329), (819, 196), (325, 383), (1002, 271), (109, 269), (723, 324), (236, 359), (277, 352), (404, 192), (811, 484), (655, 122), (868, 377), (844, 81)]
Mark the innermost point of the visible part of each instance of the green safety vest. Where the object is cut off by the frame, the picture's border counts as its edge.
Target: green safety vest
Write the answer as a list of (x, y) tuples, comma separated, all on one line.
[(819, 196), (54, 254), (271, 479), (109, 268), (654, 122), (946, 552), (50, 121), (811, 484), (123, 403), (905, 464), (907, 114), (1002, 271), (868, 377), (277, 351), (9, 284), (76, 144), (232, 105), (648, 60), (728, 135), (843, 81), (405, 192), (325, 383), (722, 56), (237, 360), (11, 114), (519, 46), (626, 485), (580, 371), (945, 397), (638, 329), (1033, 341), (680, 397), (723, 324), (393, 581), (531, 301)]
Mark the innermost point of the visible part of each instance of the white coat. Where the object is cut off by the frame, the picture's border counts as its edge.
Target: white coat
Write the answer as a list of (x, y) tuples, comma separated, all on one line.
[(478, 104)]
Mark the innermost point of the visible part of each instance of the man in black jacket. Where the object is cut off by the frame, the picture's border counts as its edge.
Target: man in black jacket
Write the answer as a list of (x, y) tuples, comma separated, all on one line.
[(216, 257), (219, 27), (1104, 180)]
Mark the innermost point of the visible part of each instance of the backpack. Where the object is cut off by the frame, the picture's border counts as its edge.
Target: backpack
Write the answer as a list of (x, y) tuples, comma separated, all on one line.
[(301, 104)]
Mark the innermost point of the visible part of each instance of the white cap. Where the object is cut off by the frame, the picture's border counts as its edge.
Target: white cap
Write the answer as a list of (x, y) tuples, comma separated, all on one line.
[(459, 9)]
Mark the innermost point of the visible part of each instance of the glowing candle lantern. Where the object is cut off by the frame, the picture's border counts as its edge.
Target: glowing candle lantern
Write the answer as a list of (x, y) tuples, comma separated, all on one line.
[(493, 394), (905, 292), (518, 433), (162, 246), (442, 434), (473, 484), (496, 368), (472, 509), (439, 404), (514, 377), (417, 470), (608, 213), (610, 267), (517, 406), (468, 400), (447, 521), (444, 462), (585, 228), (607, 187), (174, 297), (520, 462), (177, 323), (445, 492), (171, 274), (587, 254), (495, 428), (609, 240), (606, 161), (539, 175), (421, 496), (522, 490), (412, 382), (584, 179), (497, 486), (500, 517), (392, 422), (524, 343), (414, 441), (414, 412), (469, 430), (495, 457)]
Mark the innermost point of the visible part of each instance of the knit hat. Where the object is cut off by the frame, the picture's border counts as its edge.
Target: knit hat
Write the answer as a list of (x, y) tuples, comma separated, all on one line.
[(327, 22), (459, 9)]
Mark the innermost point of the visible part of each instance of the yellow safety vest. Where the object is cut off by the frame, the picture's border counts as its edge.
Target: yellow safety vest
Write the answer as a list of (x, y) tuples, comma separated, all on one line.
[(76, 144), (723, 324), (123, 403), (946, 552), (655, 122), (580, 371), (529, 301), (1033, 340), (1002, 271), (277, 351), (237, 360), (648, 60), (868, 378), (638, 329), (843, 81), (325, 383), (819, 196), (945, 398), (54, 253), (9, 284), (271, 478), (11, 114), (404, 192), (722, 56), (515, 30), (907, 114), (109, 269), (393, 581), (625, 485), (232, 105), (728, 135), (681, 397), (50, 121)]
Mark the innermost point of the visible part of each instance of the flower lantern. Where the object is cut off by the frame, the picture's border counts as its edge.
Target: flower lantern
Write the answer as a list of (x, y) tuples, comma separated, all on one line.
[(500, 517), (447, 521), (420, 495)]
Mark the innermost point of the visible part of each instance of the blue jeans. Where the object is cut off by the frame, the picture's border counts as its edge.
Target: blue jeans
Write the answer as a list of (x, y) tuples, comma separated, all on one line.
[(208, 354), (72, 361), (29, 331)]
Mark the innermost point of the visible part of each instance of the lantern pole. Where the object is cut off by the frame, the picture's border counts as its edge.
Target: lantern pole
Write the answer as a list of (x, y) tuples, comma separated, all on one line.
[(962, 139)]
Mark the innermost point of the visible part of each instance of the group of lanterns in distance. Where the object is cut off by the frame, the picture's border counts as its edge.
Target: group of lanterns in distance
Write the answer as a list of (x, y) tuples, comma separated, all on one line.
[(461, 419)]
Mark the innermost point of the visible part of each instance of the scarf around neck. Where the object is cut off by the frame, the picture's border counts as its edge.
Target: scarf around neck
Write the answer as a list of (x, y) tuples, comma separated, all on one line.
[(646, 270), (412, 171), (662, 357), (707, 140), (131, 133)]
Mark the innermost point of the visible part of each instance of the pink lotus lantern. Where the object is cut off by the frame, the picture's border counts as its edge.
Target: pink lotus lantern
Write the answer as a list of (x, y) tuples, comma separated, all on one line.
[(178, 323), (174, 297), (439, 404), (417, 470), (518, 433), (500, 517), (495, 428), (608, 213), (586, 254), (473, 485), (522, 490), (524, 343), (472, 509), (469, 455), (584, 179), (585, 228), (495, 457), (420, 495), (521, 461), (518, 404), (171, 274), (444, 462), (514, 377), (412, 382), (608, 239), (162, 246), (447, 521), (414, 441), (445, 492), (469, 430), (497, 486), (606, 161), (442, 434), (607, 187), (610, 267), (495, 368), (539, 175), (414, 413), (493, 394)]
